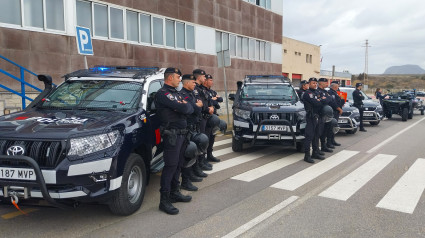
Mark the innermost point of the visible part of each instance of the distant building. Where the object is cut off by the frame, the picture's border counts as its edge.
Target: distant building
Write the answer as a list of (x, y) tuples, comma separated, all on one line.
[(344, 78)]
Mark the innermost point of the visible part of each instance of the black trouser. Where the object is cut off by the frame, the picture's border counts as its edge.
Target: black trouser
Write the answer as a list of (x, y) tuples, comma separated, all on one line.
[(361, 110), (173, 161), (211, 138), (331, 134), (311, 134)]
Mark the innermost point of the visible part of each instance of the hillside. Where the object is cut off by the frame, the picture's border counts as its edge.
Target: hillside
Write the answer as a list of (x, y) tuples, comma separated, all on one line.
[(394, 82), (405, 69)]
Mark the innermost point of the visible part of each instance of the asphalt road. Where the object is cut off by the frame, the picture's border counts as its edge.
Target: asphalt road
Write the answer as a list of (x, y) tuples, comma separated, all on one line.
[(371, 186)]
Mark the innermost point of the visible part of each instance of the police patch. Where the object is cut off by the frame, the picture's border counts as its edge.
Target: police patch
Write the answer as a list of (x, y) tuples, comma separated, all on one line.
[(311, 95), (171, 97)]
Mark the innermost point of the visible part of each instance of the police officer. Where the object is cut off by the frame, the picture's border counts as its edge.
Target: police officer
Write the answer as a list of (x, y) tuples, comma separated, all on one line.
[(215, 100), (333, 91), (303, 87), (358, 102), (172, 111), (313, 105), (207, 111), (326, 127), (193, 121)]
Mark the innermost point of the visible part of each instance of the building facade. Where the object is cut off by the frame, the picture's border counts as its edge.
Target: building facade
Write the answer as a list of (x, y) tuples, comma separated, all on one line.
[(344, 78), (40, 36)]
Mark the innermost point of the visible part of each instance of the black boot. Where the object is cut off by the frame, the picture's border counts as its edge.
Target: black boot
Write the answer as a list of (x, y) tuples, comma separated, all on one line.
[(335, 143), (362, 129), (187, 185), (177, 196), (320, 152), (193, 177), (316, 155), (212, 158), (165, 204), (203, 165), (198, 171), (307, 158), (324, 148), (330, 145)]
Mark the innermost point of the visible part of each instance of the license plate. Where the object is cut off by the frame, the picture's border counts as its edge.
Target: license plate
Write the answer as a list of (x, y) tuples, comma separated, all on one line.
[(368, 114), (342, 121), (273, 128), (17, 173)]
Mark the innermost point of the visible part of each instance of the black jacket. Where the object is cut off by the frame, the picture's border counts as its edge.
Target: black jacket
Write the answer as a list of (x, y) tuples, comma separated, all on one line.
[(358, 98)]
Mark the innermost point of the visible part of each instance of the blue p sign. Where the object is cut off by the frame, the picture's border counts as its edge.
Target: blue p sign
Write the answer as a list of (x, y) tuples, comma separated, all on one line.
[(85, 46)]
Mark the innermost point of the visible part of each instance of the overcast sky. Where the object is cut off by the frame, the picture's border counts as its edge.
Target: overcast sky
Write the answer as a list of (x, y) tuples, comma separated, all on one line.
[(395, 30)]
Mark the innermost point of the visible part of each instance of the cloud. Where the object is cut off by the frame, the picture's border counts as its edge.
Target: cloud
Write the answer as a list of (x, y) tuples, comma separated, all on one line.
[(395, 30)]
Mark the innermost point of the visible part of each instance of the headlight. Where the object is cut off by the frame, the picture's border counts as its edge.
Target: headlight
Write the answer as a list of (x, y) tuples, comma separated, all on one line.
[(242, 113), (90, 144), (301, 115), (379, 107), (356, 111)]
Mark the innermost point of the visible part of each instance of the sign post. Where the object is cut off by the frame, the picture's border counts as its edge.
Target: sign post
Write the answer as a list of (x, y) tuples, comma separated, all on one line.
[(84, 42)]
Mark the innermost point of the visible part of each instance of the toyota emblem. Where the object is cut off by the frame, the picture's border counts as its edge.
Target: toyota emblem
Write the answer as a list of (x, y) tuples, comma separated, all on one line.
[(15, 150), (274, 117)]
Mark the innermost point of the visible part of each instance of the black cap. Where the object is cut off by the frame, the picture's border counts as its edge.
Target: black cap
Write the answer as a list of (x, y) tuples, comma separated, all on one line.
[(335, 82), (208, 76), (312, 79), (199, 71), (188, 77), (358, 84), (173, 70), (303, 82), (323, 80)]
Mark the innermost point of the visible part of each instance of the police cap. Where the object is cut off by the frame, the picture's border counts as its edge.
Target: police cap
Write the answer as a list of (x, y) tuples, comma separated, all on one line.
[(208, 76), (335, 82), (313, 79), (199, 71), (303, 82), (358, 84), (173, 70), (323, 80), (188, 77)]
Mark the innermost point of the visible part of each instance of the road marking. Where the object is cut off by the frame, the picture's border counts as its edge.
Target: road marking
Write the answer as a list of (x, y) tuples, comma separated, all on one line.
[(393, 137), (405, 194), (18, 213), (242, 159), (223, 152), (223, 142), (299, 179), (242, 229), (269, 168), (351, 183)]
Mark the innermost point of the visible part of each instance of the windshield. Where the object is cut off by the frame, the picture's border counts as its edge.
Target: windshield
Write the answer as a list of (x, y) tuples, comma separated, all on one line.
[(95, 95), (268, 91), (350, 91)]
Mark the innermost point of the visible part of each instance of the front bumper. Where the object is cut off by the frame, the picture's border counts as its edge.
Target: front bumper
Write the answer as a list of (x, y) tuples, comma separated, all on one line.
[(348, 123), (372, 116)]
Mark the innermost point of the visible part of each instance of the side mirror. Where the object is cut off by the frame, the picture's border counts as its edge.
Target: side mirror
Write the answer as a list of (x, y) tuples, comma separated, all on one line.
[(232, 97)]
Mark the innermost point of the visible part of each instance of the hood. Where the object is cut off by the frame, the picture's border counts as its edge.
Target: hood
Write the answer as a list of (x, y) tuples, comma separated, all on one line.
[(368, 103), (286, 106), (54, 124)]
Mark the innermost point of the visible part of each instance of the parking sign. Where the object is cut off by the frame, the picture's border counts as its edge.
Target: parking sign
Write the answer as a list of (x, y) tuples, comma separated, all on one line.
[(85, 46)]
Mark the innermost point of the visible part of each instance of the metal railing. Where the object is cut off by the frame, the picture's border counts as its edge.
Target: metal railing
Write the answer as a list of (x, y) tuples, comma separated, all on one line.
[(21, 79)]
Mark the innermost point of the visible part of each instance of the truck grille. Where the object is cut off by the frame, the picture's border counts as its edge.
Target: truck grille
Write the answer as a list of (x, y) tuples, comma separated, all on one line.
[(258, 117), (346, 114), (47, 154)]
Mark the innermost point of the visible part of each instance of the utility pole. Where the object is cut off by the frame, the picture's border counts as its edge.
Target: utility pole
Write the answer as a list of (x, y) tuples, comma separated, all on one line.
[(366, 62)]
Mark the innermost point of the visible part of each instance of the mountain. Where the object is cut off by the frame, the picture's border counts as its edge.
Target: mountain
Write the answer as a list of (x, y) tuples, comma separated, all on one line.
[(405, 69)]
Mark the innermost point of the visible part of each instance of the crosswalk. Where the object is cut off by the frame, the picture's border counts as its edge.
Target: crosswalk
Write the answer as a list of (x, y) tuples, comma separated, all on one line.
[(402, 197)]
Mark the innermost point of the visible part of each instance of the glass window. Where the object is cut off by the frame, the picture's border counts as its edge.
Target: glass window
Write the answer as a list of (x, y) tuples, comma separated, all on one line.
[(117, 23), (245, 48), (239, 46), (252, 1), (257, 50), (84, 14), (225, 41), (54, 15), (311, 59), (145, 28), (158, 35), (100, 20), (232, 45), (251, 49), (218, 41), (268, 52), (33, 13), (268, 4), (190, 37), (180, 36), (170, 33), (132, 26), (262, 3), (262, 48), (10, 11)]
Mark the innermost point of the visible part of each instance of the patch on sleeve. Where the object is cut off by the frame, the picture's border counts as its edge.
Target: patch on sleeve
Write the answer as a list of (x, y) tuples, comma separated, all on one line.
[(171, 97), (311, 95)]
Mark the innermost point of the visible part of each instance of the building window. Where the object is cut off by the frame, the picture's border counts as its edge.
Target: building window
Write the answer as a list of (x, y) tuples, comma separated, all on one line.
[(262, 3), (100, 20), (10, 12), (190, 37), (33, 13), (158, 34), (180, 35), (170, 33), (257, 50), (251, 49), (54, 16), (285, 51), (132, 26), (84, 15), (145, 29), (239, 46), (218, 41), (262, 49), (311, 59), (117, 23), (268, 52), (245, 48), (225, 41)]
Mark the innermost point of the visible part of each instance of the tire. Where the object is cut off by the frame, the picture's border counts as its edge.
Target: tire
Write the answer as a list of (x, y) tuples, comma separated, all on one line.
[(129, 197), (422, 112), (237, 145), (374, 123), (352, 132), (410, 116), (404, 114), (300, 146)]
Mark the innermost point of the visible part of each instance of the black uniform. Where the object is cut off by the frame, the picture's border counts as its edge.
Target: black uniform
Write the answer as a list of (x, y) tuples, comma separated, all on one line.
[(358, 102), (325, 128), (215, 103), (312, 105), (300, 93), (340, 103), (172, 113)]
